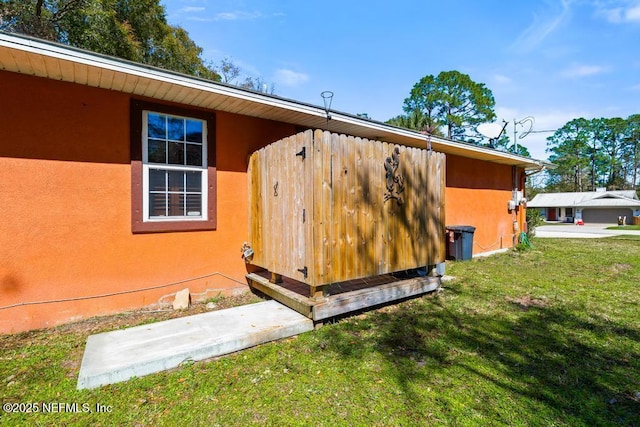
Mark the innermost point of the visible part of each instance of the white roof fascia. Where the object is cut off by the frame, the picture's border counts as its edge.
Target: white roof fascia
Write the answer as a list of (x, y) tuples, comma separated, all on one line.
[(586, 199), (58, 51), (610, 203)]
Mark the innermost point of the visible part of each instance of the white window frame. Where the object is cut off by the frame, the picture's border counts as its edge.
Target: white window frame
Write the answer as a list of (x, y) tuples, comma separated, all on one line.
[(146, 166)]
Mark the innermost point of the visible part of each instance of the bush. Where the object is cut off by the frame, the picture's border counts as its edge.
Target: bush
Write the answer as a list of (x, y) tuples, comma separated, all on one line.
[(534, 219)]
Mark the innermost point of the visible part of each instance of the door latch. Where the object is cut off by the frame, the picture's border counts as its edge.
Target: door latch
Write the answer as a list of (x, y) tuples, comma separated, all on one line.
[(304, 271)]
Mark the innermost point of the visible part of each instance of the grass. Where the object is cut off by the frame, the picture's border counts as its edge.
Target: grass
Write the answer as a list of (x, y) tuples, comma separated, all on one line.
[(544, 337), (624, 227)]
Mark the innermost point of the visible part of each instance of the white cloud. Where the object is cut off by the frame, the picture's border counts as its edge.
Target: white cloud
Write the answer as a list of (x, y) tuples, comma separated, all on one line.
[(502, 79), (619, 15), (290, 78), (237, 16), (541, 28), (633, 14), (191, 9), (584, 70)]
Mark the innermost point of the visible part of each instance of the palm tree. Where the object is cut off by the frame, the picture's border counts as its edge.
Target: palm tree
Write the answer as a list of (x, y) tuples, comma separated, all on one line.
[(417, 120)]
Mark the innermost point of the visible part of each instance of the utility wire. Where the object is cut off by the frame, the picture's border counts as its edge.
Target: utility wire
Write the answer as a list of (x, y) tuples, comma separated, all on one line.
[(131, 291)]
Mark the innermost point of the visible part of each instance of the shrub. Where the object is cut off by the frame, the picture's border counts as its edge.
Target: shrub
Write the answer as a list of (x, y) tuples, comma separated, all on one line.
[(534, 219)]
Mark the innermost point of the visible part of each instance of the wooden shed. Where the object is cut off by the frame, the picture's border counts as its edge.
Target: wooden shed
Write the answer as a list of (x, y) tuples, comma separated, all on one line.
[(328, 208)]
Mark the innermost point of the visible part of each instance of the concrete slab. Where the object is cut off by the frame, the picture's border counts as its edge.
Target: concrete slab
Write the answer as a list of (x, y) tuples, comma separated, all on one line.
[(587, 231), (119, 355)]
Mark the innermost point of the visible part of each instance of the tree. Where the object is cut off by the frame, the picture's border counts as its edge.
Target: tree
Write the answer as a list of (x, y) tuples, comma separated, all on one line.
[(416, 120), (632, 149), (504, 144), (258, 84), (136, 30), (422, 106), (228, 71), (600, 152), (569, 146), (608, 135), (39, 18), (453, 101)]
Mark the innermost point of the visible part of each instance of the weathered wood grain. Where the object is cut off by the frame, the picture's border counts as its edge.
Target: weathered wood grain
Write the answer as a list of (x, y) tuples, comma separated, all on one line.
[(328, 212)]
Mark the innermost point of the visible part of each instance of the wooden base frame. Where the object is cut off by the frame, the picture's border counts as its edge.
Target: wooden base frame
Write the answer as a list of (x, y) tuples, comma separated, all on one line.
[(342, 298)]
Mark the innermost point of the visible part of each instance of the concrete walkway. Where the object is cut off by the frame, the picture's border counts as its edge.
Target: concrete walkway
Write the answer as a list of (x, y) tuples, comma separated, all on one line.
[(119, 355), (586, 231)]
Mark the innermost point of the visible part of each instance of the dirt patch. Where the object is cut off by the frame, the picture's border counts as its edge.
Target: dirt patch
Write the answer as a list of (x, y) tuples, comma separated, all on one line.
[(525, 302), (620, 268), (143, 316)]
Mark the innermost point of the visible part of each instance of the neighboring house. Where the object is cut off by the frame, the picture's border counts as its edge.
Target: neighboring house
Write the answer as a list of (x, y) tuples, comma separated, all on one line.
[(122, 183), (591, 207)]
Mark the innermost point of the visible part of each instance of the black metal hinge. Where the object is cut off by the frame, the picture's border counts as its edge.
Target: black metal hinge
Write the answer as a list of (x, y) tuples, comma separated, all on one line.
[(304, 271), (302, 153)]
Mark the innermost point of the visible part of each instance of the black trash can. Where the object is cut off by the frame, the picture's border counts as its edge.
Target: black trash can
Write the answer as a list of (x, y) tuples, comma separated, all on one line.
[(460, 242)]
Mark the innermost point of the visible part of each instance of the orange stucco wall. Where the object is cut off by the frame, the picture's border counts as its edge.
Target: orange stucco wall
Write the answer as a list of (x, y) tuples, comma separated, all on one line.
[(65, 198), (477, 194)]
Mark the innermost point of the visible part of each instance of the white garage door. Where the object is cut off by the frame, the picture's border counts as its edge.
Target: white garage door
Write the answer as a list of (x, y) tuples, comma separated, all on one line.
[(606, 216)]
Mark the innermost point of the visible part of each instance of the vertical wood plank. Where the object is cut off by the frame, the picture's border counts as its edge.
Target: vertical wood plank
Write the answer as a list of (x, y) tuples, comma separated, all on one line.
[(308, 190), (255, 202), (350, 232), (270, 220), (382, 154), (274, 217), (423, 206), (378, 221), (327, 206), (368, 185), (293, 207), (360, 220), (431, 205), (318, 224), (305, 195), (412, 188), (392, 213), (284, 230), (338, 203), (404, 241)]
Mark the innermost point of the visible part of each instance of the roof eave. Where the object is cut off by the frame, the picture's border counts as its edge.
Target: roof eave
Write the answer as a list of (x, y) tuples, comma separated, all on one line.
[(214, 95)]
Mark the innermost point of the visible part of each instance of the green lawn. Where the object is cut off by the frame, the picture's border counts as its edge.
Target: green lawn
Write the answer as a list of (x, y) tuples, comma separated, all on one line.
[(544, 337), (624, 227)]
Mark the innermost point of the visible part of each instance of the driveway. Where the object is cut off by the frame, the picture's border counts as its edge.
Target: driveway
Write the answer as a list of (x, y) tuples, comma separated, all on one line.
[(581, 231)]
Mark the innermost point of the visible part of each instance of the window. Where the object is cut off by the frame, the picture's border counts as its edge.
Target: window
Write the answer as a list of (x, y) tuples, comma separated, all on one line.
[(173, 169), (568, 211), (174, 166)]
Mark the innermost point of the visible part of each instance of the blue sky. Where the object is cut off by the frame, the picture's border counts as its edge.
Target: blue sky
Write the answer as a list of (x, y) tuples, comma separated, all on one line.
[(554, 60)]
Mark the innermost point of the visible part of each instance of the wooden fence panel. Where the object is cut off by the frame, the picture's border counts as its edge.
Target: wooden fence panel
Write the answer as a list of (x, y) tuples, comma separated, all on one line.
[(349, 208)]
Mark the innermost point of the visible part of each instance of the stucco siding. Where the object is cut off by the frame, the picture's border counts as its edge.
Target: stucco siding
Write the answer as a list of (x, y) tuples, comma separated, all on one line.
[(66, 197), (477, 194)]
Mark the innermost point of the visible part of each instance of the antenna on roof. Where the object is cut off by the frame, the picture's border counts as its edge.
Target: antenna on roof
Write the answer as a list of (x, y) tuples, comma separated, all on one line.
[(493, 131), (327, 97)]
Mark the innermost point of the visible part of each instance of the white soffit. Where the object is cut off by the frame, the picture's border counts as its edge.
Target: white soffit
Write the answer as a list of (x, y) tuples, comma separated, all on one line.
[(53, 61)]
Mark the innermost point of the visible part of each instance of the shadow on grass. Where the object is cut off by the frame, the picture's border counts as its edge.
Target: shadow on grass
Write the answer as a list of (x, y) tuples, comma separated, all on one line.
[(576, 370)]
